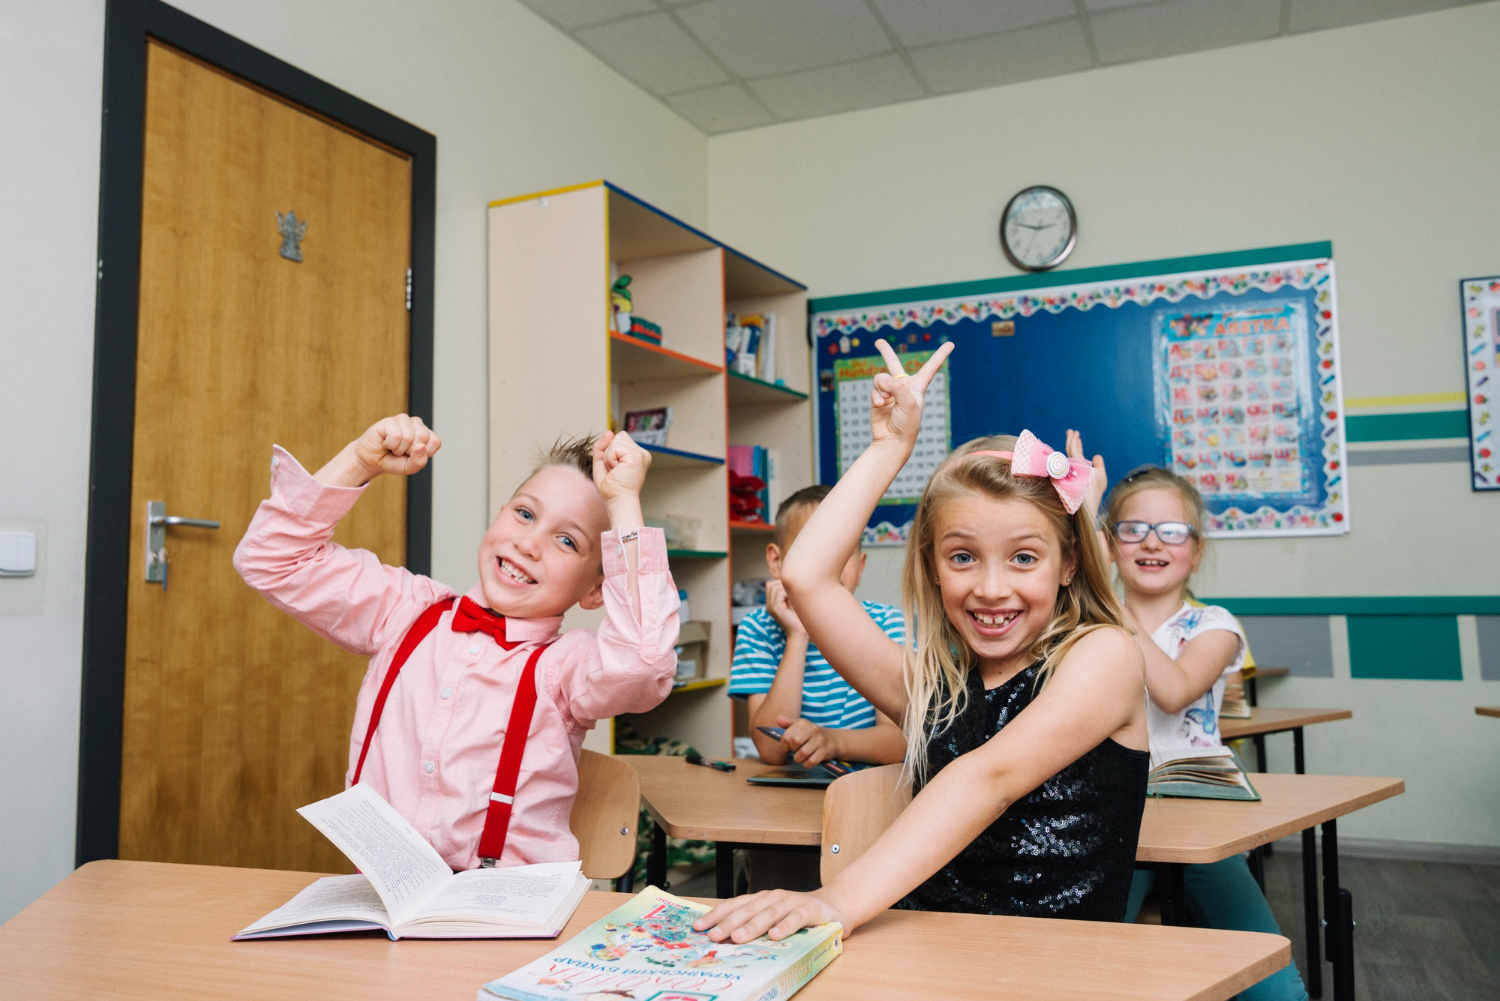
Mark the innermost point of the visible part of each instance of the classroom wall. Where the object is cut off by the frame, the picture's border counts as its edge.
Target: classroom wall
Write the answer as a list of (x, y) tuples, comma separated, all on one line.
[(1374, 137), (516, 107)]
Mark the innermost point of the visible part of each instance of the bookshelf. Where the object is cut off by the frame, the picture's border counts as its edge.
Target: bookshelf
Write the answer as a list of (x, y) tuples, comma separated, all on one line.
[(557, 368)]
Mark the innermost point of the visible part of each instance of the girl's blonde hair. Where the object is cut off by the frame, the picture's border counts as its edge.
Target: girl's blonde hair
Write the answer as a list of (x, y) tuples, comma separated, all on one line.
[(1154, 478), (937, 662)]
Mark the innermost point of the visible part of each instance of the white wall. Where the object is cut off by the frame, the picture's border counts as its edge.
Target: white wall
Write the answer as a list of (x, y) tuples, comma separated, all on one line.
[(1375, 137), (516, 107)]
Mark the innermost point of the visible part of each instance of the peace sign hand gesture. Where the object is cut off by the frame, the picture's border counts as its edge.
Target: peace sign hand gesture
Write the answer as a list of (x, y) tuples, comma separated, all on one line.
[(896, 403)]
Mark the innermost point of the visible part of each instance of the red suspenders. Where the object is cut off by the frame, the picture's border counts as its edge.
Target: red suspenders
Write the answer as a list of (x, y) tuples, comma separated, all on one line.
[(503, 797)]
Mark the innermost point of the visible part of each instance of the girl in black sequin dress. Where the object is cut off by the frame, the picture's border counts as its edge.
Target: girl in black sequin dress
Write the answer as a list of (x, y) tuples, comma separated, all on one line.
[(1021, 699)]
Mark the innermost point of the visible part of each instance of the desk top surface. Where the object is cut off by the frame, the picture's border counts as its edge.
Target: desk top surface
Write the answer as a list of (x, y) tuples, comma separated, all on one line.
[(147, 930), (691, 801), (1207, 830), (1487, 710), (1274, 719)]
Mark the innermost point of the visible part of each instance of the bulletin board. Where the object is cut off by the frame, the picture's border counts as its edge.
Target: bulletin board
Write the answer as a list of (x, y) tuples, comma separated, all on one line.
[(1224, 368), (1481, 303)]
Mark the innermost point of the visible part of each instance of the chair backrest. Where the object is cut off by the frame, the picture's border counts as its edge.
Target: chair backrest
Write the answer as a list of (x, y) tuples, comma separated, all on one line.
[(857, 809), (605, 815)]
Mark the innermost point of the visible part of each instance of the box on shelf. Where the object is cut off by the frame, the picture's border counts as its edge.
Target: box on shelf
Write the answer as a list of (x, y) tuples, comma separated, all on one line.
[(649, 427), (692, 651)]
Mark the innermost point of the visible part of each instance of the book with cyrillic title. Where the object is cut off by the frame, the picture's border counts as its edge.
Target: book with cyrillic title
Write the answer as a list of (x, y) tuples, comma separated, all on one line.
[(405, 889), (647, 948)]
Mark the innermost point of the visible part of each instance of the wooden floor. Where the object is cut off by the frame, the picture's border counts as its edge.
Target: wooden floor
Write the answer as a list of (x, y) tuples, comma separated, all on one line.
[(1423, 930)]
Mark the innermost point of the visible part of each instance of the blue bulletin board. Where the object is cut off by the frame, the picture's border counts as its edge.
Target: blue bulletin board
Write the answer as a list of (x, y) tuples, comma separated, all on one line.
[(1224, 368)]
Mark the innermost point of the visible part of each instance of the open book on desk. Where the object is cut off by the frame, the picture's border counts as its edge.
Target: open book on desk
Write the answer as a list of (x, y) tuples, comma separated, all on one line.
[(406, 889), (1198, 773)]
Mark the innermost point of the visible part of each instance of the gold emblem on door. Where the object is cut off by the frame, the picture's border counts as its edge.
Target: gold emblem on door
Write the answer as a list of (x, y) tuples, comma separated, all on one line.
[(292, 233)]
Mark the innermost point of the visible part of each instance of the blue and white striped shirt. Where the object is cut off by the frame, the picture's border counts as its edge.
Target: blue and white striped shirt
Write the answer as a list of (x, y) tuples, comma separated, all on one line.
[(827, 699)]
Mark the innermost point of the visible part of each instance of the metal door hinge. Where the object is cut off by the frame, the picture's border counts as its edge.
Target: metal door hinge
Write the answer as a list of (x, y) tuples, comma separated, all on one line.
[(408, 290)]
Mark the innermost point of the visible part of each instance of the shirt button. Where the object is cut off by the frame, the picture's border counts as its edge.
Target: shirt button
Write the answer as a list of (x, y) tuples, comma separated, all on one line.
[(275, 461), (446, 693), (474, 649), (429, 767)]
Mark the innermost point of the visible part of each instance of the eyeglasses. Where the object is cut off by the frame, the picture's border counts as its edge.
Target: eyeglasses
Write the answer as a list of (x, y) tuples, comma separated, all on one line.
[(1171, 533)]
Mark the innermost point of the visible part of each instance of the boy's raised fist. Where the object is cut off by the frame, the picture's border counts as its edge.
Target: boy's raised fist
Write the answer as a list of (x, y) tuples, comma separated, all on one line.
[(400, 445), (619, 465)]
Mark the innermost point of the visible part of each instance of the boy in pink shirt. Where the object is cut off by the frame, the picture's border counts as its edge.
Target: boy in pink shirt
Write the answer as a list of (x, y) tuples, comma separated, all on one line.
[(571, 534)]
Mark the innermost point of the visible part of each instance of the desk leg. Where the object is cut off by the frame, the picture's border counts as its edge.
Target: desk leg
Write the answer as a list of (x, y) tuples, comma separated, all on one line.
[(656, 862), (1310, 914), (1257, 863), (1173, 894), (723, 870), (1338, 936), (1298, 764), (1251, 691)]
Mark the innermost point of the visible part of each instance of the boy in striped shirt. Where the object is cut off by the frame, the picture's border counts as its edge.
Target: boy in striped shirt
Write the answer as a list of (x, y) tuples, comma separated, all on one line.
[(787, 681)]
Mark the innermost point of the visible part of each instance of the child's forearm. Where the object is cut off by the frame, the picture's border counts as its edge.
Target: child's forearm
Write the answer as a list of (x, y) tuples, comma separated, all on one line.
[(837, 524), (624, 515), (881, 744), (345, 470), (784, 698)]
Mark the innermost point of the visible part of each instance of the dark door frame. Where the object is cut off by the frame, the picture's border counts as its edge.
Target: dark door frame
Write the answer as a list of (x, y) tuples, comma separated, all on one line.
[(127, 26)]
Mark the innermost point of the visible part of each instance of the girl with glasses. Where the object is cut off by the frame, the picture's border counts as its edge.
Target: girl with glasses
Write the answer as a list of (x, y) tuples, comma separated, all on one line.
[(1154, 527)]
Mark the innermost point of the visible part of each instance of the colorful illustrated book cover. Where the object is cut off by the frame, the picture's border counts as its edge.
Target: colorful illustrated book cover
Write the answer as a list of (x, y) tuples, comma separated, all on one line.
[(646, 950)]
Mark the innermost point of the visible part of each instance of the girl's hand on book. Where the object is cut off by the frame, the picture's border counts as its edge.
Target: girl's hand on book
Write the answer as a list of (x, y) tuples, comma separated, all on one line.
[(400, 445), (896, 401), (619, 466), (810, 744), (1095, 495), (778, 913)]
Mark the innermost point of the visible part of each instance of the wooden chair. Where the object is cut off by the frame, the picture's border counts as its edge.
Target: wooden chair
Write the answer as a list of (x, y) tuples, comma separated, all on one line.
[(856, 811), (605, 814)]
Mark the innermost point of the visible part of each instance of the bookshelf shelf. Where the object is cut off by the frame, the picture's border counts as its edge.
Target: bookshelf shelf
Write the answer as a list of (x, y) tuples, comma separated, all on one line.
[(557, 367), (632, 360), (748, 389), (751, 528), (676, 458)]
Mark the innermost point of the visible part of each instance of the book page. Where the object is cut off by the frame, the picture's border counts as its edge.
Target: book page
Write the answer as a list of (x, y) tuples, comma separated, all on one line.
[(332, 898), (528, 894), (404, 869)]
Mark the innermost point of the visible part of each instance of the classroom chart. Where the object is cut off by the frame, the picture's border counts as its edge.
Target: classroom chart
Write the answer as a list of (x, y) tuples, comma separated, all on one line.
[(1481, 303), (1224, 368)]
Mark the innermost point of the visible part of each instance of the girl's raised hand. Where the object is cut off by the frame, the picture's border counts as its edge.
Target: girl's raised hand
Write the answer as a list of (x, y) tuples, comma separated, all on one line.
[(1097, 485), (400, 445), (896, 402)]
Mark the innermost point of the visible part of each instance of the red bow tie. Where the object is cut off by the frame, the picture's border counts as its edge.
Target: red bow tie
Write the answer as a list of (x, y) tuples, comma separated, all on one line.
[(472, 617)]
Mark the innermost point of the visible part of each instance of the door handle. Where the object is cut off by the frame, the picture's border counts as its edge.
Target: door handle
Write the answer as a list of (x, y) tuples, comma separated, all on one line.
[(157, 522)]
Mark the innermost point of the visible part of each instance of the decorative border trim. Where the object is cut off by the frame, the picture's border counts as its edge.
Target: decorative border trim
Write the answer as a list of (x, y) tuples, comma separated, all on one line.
[(1480, 299)]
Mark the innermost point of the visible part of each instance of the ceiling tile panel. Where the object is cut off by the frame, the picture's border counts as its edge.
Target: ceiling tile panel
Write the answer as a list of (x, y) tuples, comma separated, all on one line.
[(1309, 15), (756, 38), (1009, 57), (578, 13), (1176, 26), (927, 22), (831, 89), (724, 108), (653, 52)]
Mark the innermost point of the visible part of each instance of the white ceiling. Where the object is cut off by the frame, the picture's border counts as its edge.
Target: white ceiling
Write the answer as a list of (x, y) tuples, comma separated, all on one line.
[(726, 65)]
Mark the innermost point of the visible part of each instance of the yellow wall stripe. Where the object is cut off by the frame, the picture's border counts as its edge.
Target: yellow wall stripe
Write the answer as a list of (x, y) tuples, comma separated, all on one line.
[(1414, 399)]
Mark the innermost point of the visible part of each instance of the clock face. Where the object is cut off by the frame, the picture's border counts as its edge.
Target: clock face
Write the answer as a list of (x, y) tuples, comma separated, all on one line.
[(1038, 228)]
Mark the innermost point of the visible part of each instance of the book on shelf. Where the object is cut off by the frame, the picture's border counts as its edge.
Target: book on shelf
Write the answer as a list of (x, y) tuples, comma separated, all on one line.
[(750, 345), (649, 427), (405, 889), (645, 330), (1198, 773), (1234, 704), (647, 948), (751, 472)]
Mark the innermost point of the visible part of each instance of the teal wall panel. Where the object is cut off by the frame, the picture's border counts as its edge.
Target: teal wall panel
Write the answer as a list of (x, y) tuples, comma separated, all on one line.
[(1407, 427), (1407, 647)]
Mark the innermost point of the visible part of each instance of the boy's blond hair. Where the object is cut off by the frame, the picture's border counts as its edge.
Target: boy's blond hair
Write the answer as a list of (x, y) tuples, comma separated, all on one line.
[(574, 452)]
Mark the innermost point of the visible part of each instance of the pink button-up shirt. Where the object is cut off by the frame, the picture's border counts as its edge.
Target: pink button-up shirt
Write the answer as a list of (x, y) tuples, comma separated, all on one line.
[(435, 752)]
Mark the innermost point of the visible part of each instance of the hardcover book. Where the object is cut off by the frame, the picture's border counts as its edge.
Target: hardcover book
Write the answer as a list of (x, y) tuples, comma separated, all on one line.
[(1198, 773), (646, 949)]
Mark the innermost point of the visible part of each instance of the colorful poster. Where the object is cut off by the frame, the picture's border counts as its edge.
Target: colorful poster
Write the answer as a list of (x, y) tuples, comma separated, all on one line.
[(1481, 302), (854, 379)]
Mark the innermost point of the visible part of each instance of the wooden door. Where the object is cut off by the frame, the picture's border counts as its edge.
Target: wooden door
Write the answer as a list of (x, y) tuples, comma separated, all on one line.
[(235, 715)]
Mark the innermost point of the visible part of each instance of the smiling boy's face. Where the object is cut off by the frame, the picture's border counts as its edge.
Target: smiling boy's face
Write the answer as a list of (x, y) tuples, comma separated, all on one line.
[(541, 556)]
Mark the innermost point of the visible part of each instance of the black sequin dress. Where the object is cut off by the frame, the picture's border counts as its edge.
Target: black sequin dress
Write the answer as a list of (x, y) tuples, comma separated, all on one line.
[(1064, 850)]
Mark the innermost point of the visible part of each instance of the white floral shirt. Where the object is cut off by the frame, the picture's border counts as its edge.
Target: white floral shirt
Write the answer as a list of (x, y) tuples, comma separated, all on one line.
[(1198, 724)]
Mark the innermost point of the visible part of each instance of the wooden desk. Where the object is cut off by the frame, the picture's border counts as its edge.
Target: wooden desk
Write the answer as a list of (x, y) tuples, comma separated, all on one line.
[(146, 930), (691, 801), (1487, 710), (1178, 832), (1269, 719)]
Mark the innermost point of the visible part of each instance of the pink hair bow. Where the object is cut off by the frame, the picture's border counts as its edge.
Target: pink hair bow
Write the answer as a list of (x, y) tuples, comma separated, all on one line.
[(1070, 477)]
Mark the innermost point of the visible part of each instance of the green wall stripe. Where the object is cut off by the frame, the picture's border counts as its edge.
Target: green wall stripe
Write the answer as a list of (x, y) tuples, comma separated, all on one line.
[(1442, 605), (1405, 647), (1049, 279), (1405, 427)]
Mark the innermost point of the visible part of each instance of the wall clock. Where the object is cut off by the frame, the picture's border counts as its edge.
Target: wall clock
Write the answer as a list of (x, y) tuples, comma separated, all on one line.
[(1038, 228)]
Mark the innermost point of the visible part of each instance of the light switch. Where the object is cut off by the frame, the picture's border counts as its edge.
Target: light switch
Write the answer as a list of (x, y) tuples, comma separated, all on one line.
[(17, 554)]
